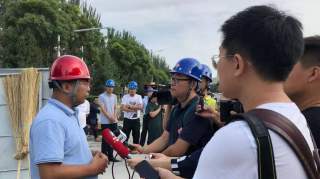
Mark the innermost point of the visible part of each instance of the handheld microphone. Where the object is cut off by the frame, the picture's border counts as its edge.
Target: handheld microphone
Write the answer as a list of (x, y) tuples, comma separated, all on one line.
[(116, 144)]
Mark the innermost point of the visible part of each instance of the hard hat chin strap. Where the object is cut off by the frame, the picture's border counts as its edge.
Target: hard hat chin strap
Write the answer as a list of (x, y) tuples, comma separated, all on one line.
[(59, 86), (189, 91), (72, 95)]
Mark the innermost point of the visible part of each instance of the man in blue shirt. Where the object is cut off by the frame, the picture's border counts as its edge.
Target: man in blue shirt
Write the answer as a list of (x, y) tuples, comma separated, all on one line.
[(58, 145)]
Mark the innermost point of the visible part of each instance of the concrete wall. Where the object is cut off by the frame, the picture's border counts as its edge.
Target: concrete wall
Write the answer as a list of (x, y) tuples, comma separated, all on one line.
[(8, 165)]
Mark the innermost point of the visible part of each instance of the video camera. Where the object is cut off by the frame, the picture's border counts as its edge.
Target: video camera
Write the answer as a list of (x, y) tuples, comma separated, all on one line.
[(164, 95)]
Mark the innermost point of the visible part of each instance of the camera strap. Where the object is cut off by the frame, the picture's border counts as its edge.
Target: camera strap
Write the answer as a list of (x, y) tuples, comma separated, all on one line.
[(259, 121)]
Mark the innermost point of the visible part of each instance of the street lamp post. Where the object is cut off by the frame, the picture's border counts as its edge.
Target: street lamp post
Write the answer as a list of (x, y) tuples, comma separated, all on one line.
[(85, 30), (89, 29), (58, 48), (82, 51), (156, 53)]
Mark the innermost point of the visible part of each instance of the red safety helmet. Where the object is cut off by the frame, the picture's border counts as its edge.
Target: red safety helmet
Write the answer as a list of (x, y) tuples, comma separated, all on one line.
[(69, 67)]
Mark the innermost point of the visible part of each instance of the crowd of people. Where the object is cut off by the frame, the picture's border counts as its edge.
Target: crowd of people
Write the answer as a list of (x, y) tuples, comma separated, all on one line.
[(264, 63)]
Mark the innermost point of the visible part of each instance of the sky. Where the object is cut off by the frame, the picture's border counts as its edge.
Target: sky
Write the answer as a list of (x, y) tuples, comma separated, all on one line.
[(190, 28)]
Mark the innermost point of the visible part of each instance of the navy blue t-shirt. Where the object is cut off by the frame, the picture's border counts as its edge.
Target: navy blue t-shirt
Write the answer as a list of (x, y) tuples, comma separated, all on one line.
[(312, 115), (186, 125)]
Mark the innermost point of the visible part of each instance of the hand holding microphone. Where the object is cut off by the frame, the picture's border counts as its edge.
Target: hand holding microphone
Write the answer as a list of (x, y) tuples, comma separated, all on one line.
[(136, 149), (144, 169)]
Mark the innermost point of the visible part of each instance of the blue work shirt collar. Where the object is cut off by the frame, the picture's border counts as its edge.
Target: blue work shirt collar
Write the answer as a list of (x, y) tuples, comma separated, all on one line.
[(66, 109)]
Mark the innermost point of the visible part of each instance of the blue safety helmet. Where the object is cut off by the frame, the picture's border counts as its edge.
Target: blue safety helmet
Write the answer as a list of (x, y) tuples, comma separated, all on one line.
[(206, 72), (189, 67), (110, 83), (132, 85)]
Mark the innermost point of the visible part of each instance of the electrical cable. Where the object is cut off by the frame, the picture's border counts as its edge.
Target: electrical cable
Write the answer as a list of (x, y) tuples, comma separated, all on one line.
[(112, 172), (112, 169), (133, 174), (125, 161)]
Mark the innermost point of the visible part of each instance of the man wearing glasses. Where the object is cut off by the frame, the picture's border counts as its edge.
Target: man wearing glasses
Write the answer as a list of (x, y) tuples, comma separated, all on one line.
[(185, 132), (260, 46)]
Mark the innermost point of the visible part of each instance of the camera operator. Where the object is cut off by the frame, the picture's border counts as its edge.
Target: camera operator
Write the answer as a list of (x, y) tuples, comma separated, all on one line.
[(154, 114), (165, 99), (148, 92)]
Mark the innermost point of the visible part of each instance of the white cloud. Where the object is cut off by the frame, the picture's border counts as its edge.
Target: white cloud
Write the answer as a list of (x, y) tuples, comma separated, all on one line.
[(181, 28)]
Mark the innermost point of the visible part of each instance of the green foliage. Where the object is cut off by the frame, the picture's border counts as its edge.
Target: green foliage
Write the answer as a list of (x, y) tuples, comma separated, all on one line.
[(161, 70), (136, 62), (29, 37)]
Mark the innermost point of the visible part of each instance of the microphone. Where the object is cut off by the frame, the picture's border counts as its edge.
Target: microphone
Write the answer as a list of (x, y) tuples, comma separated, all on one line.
[(116, 144)]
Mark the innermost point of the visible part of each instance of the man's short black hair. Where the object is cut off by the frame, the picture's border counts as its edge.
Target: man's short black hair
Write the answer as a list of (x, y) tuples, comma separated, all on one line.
[(311, 55), (271, 40), (53, 84)]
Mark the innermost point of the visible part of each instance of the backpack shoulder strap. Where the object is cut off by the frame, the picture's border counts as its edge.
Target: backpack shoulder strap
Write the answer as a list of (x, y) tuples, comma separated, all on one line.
[(266, 164), (292, 135)]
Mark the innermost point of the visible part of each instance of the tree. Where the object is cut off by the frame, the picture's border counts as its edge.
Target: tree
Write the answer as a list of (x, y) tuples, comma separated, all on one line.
[(29, 24), (29, 38), (161, 69), (135, 61)]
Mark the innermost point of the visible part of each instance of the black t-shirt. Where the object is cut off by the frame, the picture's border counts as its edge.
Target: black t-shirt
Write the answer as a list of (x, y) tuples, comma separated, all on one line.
[(312, 115), (185, 124), (92, 116)]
